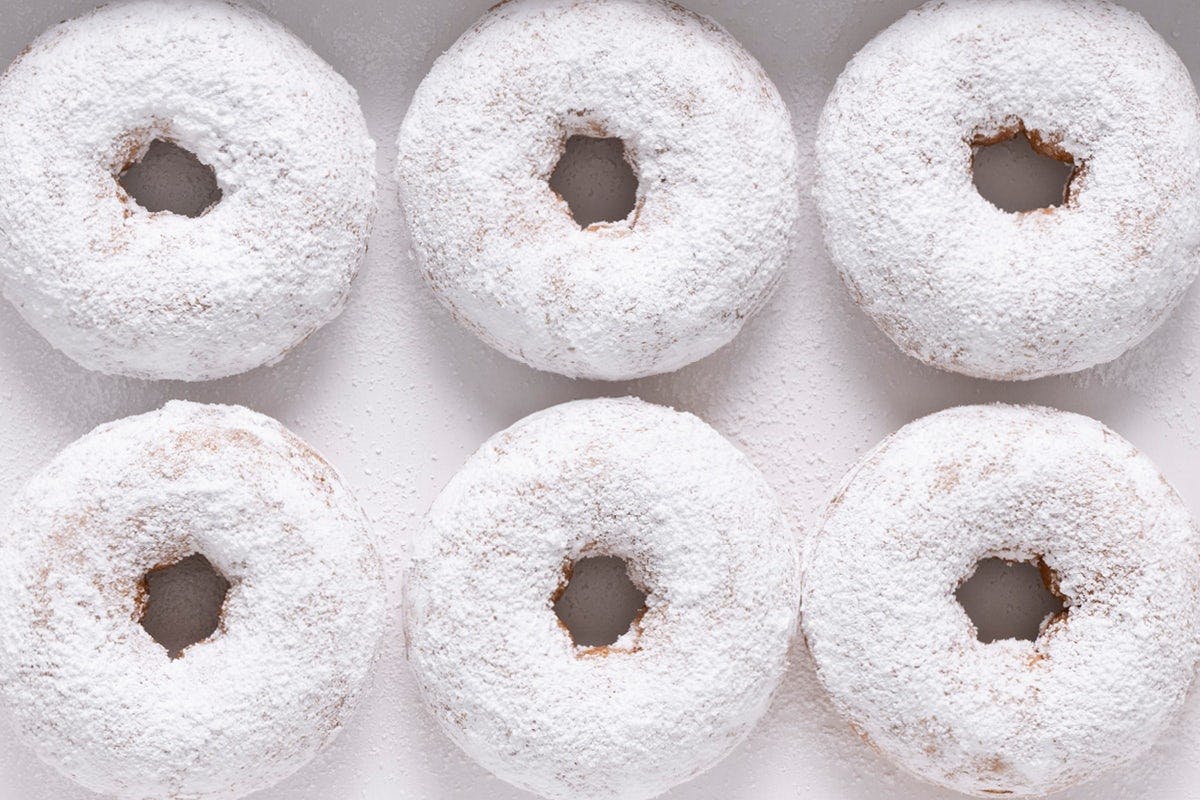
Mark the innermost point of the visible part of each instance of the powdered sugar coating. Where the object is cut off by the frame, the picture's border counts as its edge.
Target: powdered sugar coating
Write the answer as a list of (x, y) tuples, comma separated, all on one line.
[(701, 533), (159, 295), (707, 135), (952, 279), (100, 700), (900, 656)]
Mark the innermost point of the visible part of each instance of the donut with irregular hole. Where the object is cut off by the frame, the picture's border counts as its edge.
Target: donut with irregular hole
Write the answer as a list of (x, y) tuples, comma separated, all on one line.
[(705, 132), (949, 277), (160, 295), (900, 656), (100, 700), (701, 534)]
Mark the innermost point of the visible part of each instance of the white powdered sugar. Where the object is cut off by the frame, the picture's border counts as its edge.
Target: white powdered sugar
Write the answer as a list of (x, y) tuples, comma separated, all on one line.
[(159, 295), (951, 278), (100, 700), (899, 655), (701, 533), (705, 131)]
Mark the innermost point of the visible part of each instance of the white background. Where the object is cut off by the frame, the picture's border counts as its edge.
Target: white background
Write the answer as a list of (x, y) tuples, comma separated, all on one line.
[(397, 396)]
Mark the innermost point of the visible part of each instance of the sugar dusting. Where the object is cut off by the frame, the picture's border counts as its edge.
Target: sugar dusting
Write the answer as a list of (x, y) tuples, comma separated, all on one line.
[(158, 295), (95, 696), (398, 396), (706, 131), (699, 530), (901, 658), (956, 281)]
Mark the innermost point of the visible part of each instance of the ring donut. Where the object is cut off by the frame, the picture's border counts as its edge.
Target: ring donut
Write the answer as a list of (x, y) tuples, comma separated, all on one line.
[(900, 656), (160, 295), (100, 700), (955, 281), (705, 132), (701, 533)]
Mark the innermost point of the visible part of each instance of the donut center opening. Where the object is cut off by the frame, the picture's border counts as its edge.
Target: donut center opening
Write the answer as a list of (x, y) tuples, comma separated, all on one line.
[(1017, 171), (597, 603), (1011, 599), (595, 179), (169, 178), (182, 603)]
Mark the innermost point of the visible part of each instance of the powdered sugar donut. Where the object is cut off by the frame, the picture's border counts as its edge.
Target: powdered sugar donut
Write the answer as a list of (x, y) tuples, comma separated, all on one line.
[(701, 533), (159, 295), (100, 700), (899, 655), (952, 279), (704, 130)]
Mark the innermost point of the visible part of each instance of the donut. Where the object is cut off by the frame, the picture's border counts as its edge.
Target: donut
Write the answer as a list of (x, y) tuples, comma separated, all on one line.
[(701, 533), (705, 132), (900, 657), (100, 700), (955, 281), (159, 295)]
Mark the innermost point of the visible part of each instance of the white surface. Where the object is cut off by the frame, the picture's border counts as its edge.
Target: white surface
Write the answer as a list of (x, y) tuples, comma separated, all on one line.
[(397, 396)]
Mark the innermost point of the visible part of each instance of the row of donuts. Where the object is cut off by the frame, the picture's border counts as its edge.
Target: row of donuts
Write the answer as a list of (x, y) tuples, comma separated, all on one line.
[(951, 278), (954, 281), (702, 535)]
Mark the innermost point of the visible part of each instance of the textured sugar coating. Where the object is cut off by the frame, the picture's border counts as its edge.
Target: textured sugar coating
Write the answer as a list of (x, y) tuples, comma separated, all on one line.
[(701, 533), (899, 655), (158, 295), (952, 279), (709, 140), (100, 700)]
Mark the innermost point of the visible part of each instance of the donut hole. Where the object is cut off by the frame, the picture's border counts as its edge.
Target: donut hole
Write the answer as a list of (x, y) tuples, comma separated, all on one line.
[(597, 603), (169, 178), (182, 602), (596, 180), (1011, 599), (1019, 172)]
